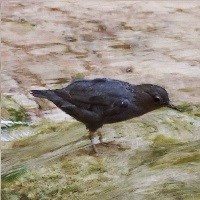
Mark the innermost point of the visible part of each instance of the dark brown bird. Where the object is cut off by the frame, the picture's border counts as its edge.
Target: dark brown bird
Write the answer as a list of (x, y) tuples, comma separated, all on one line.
[(104, 101)]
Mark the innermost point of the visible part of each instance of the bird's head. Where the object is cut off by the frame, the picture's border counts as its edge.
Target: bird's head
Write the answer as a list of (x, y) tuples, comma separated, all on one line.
[(158, 96)]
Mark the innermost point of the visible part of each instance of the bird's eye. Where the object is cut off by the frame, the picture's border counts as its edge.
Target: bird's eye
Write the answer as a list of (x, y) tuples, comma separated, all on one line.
[(157, 99)]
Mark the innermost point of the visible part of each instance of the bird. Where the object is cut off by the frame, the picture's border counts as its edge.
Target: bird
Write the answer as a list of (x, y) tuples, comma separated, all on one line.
[(102, 101)]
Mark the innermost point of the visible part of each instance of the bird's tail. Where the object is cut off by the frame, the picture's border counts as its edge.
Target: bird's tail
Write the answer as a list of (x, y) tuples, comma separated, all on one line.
[(42, 93), (53, 97)]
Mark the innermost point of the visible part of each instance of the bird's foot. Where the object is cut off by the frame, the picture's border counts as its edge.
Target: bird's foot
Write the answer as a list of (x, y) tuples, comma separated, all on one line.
[(110, 143), (106, 143), (119, 145), (94, 150), (102, 142)]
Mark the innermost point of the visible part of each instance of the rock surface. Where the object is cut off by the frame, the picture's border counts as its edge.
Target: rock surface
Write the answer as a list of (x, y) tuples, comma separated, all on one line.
[(47, 44)]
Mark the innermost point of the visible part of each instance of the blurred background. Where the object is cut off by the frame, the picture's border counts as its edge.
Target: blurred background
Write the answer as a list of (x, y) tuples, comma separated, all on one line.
[(48, 44)]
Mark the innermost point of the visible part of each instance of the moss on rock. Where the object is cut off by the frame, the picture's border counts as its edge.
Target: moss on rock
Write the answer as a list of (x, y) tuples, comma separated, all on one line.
[(12, 176), (13, 111), (193, 109)]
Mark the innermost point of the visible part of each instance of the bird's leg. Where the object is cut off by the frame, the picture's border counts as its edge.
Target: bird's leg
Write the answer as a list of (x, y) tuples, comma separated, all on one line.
[(91, 136), (101, 139), (119, 145)]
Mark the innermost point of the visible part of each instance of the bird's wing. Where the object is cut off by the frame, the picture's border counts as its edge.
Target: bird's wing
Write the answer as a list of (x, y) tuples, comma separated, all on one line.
[(83, 97), (100, 92)]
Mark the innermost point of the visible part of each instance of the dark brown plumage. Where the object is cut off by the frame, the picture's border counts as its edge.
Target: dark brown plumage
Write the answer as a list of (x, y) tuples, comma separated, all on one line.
[(103, 101)]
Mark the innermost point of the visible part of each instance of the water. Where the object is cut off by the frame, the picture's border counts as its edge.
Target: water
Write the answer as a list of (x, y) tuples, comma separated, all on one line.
[(9, 133)]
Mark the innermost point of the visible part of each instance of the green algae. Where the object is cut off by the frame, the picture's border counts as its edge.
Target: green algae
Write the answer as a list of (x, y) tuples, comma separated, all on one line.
[(74, 166), (48, 183), (46, 126), (148, 126), (184, 154), (180, 190), (78, 175), (97, 167), (165, 152), (25, 23), (69, 167), (161, 145), (180, 125), (18, 115), (193, 109), (71, 188), (13, 111), (23, 142), (12, 176), (79, 76), (163, 141), (188, 158), (46, 139), (174, 189)]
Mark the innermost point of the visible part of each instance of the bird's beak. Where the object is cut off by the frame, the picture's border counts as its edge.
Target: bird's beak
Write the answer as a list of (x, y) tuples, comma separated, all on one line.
[(173, 107)]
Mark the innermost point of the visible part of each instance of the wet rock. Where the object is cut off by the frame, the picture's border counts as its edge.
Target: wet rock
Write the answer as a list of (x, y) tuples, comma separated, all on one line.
[(78, 50), (24, 101), (48, 50), (70, 38), (57, 116), (88, 37)]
